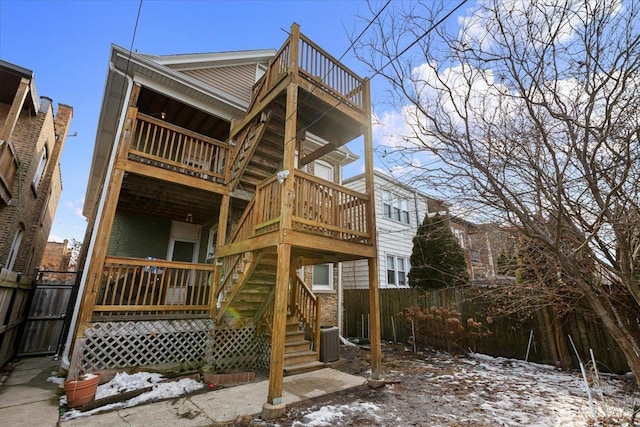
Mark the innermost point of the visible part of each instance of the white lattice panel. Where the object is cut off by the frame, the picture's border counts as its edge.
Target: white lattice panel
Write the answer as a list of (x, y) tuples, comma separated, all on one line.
[(112, 345), (192, 343)]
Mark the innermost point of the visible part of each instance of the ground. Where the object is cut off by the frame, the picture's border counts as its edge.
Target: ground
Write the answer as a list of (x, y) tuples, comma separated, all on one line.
[(437, 389)]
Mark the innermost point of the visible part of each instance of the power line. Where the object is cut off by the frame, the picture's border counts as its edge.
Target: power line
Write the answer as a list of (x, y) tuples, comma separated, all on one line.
[(433, 27), (378, 71)]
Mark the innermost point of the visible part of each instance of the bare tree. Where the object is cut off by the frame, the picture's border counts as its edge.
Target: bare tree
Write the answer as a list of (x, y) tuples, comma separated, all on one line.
[(528, 113)]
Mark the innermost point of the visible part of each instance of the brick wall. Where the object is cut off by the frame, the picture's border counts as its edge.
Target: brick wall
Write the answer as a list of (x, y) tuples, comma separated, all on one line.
[(33, 132), (56, 256)]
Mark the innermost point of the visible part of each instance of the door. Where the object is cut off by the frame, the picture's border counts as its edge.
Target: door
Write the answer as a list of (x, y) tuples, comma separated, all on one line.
[(49, 313), (184, 244)]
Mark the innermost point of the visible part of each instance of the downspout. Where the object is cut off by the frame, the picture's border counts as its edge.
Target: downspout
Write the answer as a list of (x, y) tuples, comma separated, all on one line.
[(415, 203), (66, 363)]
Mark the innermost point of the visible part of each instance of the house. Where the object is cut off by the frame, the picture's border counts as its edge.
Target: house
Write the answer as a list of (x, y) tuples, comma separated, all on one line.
[(482, 245), (31, 141), (399, 209), (201, 215)]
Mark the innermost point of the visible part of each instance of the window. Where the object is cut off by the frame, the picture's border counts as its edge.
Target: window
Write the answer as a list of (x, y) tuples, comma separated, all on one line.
[(15, 247), (396, 271), (322, 279), (395, 208), (40, 171), (459, 234), (323, 170)]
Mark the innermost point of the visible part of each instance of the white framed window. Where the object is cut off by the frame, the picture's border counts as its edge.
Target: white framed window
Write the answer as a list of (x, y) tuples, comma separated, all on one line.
[(15, 247), (323, 170), (42, 163), (322, 277), (396, 271), (396, 208)]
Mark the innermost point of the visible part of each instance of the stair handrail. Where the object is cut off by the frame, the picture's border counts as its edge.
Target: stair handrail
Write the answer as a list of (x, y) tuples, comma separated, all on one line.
[(247, 216), (306, 307), (229, 266)]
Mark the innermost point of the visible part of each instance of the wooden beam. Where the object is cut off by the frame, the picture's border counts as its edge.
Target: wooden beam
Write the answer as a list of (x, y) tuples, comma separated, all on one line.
[(14, 111), (322, 151), (374, 325), (168, 175), (288, 163)]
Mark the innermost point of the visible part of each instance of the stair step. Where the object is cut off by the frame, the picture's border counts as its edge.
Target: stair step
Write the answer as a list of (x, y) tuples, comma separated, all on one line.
[(293, 326), (303, 367), (294, 336), (297, 346), (299, 357)]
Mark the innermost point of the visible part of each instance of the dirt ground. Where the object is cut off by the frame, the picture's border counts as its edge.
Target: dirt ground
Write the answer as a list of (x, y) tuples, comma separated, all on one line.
[(436, 389)]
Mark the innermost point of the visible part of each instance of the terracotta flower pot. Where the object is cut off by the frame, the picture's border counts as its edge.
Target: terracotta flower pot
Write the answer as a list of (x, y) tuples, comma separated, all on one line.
[(81, 391)]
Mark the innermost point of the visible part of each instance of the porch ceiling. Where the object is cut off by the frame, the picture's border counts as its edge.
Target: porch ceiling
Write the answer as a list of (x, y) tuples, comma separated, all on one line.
[(155, 104), (166, 199)]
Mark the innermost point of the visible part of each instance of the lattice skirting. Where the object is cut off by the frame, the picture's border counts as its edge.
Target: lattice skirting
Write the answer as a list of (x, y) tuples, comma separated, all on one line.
[(191, 343), (234, 349)]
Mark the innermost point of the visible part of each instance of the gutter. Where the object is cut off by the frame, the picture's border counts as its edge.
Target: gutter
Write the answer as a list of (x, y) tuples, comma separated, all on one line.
[(66, 363)]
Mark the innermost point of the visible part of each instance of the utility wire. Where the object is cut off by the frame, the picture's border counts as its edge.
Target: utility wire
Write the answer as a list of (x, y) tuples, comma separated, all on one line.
[(378, 71)]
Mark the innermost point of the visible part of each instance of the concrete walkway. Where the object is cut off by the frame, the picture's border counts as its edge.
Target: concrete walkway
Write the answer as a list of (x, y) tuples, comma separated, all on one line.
[(27, 399)]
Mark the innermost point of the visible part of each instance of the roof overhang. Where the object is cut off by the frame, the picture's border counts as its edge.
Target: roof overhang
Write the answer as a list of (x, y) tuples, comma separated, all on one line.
[(10, 76)]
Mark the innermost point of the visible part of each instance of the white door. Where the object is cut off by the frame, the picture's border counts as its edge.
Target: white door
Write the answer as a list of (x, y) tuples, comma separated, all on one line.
[(184, 244)]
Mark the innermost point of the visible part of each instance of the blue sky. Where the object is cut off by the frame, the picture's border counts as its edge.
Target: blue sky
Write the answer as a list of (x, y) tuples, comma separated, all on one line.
[(66, 44)]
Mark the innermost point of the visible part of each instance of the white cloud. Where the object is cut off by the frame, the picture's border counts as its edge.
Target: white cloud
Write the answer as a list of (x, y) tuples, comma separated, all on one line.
[(536, 19)]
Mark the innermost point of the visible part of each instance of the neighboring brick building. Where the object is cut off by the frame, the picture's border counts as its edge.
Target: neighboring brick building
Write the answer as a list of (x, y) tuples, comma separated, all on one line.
[(31, 140), (57, 256)]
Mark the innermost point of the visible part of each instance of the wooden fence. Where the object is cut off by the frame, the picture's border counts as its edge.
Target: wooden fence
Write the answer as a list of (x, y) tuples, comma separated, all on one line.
[(14, 293), (510, 335)]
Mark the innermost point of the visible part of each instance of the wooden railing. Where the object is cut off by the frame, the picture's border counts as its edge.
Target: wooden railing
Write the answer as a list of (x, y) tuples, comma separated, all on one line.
[(306, 307), (320, 207), (140, 287), (8, 170), (323, 207), (319, 67), (316, 66), (181, 150), (268, 200)]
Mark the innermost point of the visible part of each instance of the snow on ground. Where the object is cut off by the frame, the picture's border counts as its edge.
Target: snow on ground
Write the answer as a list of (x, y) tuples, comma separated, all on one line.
[(124, 382), (441, 390)]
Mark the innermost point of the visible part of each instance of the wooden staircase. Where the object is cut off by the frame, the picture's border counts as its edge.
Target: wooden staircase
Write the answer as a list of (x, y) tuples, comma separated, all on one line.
[(249, 295), (298, 355)]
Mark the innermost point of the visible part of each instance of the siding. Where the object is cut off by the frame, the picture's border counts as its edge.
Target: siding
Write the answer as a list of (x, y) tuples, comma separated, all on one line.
[(394, 237), (139, 236), (236, 81)]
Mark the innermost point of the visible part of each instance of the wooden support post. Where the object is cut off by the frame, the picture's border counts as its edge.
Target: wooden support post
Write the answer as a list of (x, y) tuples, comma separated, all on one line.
[(220, 241), (274, 406), (105, 222), (278, 333), (376, 379)]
